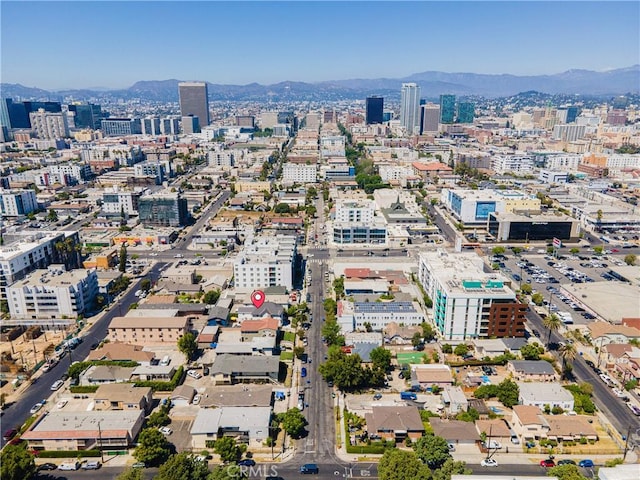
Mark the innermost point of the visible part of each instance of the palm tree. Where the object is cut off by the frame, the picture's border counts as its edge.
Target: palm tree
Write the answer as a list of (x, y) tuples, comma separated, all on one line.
[(551, 323), (568, 353)]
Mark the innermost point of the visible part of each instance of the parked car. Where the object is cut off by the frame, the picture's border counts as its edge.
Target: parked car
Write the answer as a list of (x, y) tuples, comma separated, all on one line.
[(9, 434), (165, 430), (451, 446), (247, 462), (489, 462), (194, 374), (547, 463), (69, 466), (377, 396), (56, 385), (35, 408), (303, 372), (196, 399), (308, 468), (93, 465), (566, 461), (139, 465), (586, 463), (47, 466)]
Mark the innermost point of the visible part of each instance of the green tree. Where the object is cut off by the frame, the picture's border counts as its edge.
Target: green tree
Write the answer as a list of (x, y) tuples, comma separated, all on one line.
[(293, 422), (630, 259), (211, 297), (381, 358), (447, 348), (508, 393), (347, 372), (461, 349), (551, 323), (229, 472), (158, 419), (130, 474), (298, 352), (566, 472), (145, 284), (402, 465), (531, 351), (432, 450), (153, 447), (417, 339), (428, 332), (568, 353), (52, 216), (498, 250), (228, 449), (331, 332), (122, 266), (526, 289), (187, 344), (449, 468), (183, 467), (574, 251), (537, 298), (598, 249), (17, 463), (282, 208)]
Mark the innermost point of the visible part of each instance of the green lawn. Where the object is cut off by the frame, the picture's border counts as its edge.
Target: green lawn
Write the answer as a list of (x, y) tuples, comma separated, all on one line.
[(289, 336), (410, 357), (284, 356)]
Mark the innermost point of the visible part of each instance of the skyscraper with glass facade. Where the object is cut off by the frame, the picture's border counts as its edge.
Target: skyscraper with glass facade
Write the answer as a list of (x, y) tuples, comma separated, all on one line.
[(466, 112), (447, 108), (410, 108), (374, 109), (194, 100)]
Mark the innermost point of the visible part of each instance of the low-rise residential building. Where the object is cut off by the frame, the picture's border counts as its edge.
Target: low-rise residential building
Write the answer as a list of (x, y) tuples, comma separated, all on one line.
[(121, 352), (604, 333), (528, 422), (394, 423), (123, 396), (84, 430), (53, 294), (540, 394), (228, 369), (147, 331), (264, 327), (245, 424), (532, 371), (455, 431), (99, 374), (454, 399), (357, 315), (427, 375), (182, 395)]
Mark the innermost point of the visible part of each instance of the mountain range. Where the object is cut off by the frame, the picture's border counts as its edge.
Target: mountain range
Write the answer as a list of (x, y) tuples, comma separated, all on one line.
[(432, 83)]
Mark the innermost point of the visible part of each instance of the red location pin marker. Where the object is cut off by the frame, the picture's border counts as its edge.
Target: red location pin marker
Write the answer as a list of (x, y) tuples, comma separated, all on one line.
[(257, 298)]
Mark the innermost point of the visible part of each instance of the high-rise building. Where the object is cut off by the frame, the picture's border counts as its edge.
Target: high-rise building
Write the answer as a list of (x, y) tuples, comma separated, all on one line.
[(374, 109), (170, 126), (447, 108), (194, 100), (19, 111), (150, 126), (14, 203), (87, 115), (48, 125), (410, 108), (466, 112), (429, 118)]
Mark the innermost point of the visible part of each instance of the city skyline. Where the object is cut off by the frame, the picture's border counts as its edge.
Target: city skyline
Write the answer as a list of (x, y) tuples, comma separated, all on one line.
[(245, 42)]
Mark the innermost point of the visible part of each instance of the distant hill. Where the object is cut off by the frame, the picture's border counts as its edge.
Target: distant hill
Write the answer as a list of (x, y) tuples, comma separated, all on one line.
[(578, 82)]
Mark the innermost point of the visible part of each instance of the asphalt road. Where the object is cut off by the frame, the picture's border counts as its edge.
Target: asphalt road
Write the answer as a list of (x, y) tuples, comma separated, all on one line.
[(16, 414)]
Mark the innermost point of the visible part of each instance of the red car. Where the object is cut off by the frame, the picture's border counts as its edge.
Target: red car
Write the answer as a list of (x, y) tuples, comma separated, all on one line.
[(548, 463), (614, 250)]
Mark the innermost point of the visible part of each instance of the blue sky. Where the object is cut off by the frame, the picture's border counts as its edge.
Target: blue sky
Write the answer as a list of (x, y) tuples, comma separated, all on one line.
[(57, 45)]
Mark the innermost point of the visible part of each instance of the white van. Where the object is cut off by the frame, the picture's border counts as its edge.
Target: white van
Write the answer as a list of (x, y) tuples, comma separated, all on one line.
[(69, 466), (166, 360)]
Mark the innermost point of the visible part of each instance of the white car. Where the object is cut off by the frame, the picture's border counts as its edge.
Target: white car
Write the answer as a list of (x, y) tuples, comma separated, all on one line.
[(194, 374), (196, 400), (166, 430), (57, 384), (489, 462), (61, 404), (35, 408)]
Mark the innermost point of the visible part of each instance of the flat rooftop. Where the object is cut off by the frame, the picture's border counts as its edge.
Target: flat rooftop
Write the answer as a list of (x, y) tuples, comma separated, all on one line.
[(612, 301), (78, 424)]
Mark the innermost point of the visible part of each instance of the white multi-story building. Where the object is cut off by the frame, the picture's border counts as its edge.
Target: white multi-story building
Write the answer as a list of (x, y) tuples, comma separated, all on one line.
[(566, 163), (355, 211), (519, 164), (170, 126), (116, 201), (296, 173), (467, 302), (52, 294), (395, 172), (266, 262), (75, 172), (150, 126), (359, 315), (410, 108), (553, 176), (49, 125), (29, 251), (157, 169), (355, 222), (332, 146), (569, 133), (17, 202), (225, 158)]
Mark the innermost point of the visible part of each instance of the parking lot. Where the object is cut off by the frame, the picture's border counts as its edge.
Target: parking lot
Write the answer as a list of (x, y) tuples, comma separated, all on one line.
[(546, 275)]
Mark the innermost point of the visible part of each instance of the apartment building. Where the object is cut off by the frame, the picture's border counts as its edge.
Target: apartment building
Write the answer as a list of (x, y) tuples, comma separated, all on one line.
[(28, 251), (518, 164), (357, 315), (163, 209), (295, 173), (49, 125), (355, 222), (159, 170), (148, 330), (467, 302), (72, 172), (17, 202), (116, 201), (225, 158), (266, 262), (52, 294)]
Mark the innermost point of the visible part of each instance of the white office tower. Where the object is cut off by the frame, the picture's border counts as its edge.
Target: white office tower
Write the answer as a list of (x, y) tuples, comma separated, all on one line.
[(410, 108)]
